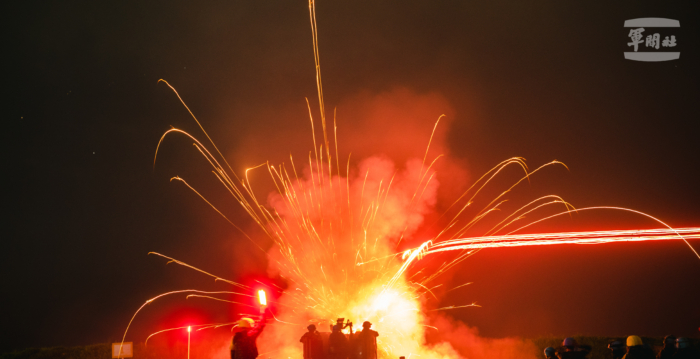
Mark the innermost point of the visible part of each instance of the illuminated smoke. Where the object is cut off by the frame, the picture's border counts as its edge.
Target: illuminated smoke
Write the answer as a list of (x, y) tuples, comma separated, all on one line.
[(330, 232), (336, 226)]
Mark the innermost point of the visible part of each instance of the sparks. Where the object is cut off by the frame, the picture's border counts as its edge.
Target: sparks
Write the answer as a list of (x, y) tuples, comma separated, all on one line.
[(336, 234)]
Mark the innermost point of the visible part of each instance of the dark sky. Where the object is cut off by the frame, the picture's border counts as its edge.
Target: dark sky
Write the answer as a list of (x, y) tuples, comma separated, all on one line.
[(543, 80)]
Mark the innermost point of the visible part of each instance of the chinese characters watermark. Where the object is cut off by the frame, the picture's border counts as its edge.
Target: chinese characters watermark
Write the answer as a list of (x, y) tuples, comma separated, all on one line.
[(652, 41)]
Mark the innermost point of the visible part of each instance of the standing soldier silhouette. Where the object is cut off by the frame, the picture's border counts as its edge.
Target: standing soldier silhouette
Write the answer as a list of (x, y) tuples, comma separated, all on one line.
[(243, 345), (366, 342), (338, 344), (313, 344)]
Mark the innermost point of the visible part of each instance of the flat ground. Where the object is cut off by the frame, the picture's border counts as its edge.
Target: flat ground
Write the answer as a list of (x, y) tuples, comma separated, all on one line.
[(103, 351)]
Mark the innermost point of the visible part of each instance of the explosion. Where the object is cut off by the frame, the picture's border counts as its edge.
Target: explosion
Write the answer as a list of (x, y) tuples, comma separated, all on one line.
[(337, 228)]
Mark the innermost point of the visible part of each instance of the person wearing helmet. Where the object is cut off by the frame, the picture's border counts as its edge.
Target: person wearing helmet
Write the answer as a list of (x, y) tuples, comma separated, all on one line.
[(572, 350), (618, 349), (313, 344), (366, 342), (338, 343), (685, 349), (243, 344), (637, 350), (550, 353), (669, 348)]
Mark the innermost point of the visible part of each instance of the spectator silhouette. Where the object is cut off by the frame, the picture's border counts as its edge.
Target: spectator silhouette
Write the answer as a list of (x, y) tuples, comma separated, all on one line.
[(618, 349), (571, 350), (637, 350), (685, 350), (669, 348)]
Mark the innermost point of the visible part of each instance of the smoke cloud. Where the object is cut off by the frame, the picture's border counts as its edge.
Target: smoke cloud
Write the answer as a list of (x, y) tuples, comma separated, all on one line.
[(466, 342), (340, 221)]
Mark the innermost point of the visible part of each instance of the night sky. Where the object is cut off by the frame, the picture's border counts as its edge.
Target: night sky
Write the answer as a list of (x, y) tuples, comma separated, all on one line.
[(544, 80)]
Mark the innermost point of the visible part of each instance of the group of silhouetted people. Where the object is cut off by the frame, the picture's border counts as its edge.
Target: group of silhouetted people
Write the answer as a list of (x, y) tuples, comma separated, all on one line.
[(339, 345), (674, 348)]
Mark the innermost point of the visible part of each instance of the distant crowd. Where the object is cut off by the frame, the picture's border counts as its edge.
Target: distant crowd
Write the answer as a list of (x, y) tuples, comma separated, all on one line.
[(674, 348)]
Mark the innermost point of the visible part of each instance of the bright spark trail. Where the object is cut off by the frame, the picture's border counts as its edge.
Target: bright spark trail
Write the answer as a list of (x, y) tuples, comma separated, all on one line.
[(548, 239), (474, 244)]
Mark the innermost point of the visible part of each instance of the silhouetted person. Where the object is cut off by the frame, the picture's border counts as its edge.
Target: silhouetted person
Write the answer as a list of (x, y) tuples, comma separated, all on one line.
[(243, 343), (366, 342), (669, 348), (637, 350), (338, 344), (571, 350), (313, 344), (550, 353), (685, 349), (618, 349)]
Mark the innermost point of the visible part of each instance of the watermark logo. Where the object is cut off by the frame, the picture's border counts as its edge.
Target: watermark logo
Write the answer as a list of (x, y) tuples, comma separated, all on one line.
[(652, 41)]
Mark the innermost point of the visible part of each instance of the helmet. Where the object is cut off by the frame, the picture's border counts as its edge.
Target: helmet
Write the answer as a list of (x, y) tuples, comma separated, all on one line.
[(246, 323), (634, 340), (682, 343), (569, 342), (311, 327), (366, 324), (549, 352)]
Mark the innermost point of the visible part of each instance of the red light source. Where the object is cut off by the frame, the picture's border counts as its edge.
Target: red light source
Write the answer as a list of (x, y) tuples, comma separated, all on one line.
[(262, 298)]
